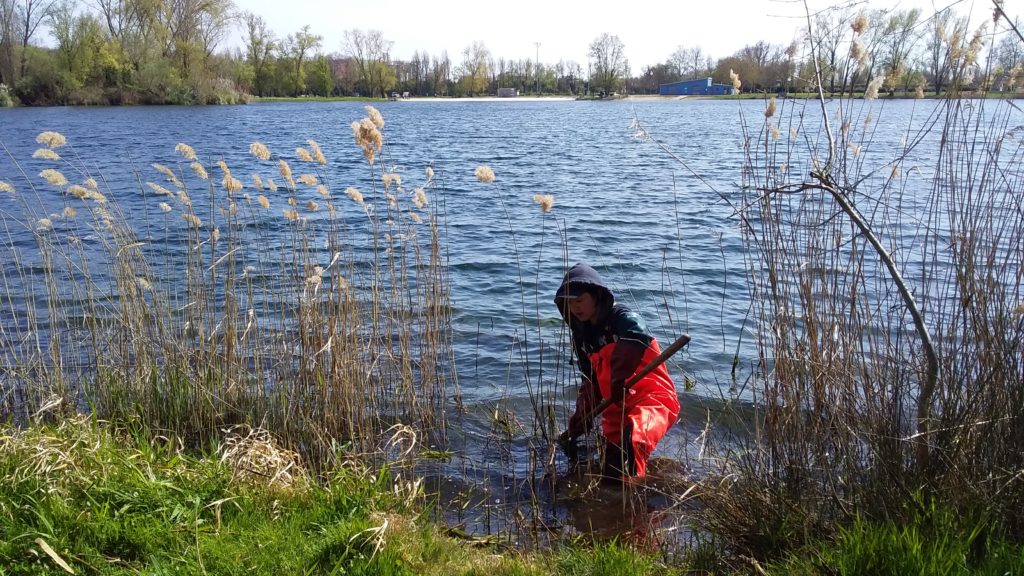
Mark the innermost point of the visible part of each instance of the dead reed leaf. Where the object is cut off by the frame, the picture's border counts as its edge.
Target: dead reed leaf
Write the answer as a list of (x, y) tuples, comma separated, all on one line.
[(255, 459), (52, 403), (53, 555), (403, 439)]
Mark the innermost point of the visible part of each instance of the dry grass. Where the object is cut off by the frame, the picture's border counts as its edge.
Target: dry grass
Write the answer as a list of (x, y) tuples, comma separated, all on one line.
[(254, 458), (889, 374)]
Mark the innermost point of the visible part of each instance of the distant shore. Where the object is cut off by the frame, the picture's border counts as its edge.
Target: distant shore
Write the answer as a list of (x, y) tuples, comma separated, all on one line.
[(633, 97), (487, 99)]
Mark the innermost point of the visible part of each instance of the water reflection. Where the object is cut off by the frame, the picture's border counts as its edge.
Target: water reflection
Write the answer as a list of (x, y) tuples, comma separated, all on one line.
[(569, 504)]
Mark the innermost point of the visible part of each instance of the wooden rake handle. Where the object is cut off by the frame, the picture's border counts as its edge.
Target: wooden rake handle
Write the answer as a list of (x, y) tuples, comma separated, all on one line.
[(567, 444), (658, 361)]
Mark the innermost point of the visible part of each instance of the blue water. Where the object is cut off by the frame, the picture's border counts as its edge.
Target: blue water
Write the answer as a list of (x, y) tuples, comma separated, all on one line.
[(667, 244), (662, 230)]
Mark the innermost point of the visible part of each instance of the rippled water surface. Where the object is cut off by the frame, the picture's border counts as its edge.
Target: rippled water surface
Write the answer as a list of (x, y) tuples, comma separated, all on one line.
[(664, 240)]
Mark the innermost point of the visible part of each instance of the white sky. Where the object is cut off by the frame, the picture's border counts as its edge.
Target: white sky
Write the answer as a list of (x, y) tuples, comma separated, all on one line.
[(650, 29)]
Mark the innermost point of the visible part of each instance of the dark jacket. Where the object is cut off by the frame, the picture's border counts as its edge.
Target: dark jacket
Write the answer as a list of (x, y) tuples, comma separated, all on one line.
[(616, 324)]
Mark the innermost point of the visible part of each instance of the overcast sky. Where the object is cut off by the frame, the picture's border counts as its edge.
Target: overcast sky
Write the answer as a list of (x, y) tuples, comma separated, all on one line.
[(650, 29)]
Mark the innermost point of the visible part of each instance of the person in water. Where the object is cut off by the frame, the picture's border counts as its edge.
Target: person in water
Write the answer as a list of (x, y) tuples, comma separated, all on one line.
[(611, 344)]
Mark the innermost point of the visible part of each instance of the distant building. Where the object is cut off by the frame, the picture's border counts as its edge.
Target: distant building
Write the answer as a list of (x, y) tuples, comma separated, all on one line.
[(508, 92), (702, 87)]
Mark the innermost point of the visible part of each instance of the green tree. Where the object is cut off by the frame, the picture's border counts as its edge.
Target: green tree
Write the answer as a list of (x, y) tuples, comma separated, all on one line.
[(653, 77), (744, 67), (259, 49), (1009, 58), (19, 22), (828, 33), (371, 53), (899, 37), (8, 24), (609, 66), (475, 70), (320, 80), (77, 39), (690, 63), (937, 57), (136, 28), (440, 74), (299, 47)]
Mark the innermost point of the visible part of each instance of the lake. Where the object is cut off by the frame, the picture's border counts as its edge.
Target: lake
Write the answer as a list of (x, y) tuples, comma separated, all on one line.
[(666, 243), (662, 230)]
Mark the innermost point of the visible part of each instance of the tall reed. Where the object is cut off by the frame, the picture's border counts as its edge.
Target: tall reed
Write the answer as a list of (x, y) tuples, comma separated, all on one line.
[(887, 289), (319, 315)]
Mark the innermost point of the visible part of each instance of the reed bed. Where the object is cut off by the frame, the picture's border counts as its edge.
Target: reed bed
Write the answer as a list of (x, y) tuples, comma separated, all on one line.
[(265, 295), (886, 281)]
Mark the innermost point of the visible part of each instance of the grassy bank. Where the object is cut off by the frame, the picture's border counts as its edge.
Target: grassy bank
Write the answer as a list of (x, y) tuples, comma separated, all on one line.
[(85, 497), (935, 542), (88, 497)]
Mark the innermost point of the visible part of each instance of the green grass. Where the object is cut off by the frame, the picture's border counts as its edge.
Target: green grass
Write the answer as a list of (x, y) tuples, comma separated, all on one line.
[(115, 501), (108, 501), (934, 545)]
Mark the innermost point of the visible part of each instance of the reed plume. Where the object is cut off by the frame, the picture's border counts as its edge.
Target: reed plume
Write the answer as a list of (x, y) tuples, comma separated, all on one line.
[(860, 24), (54, 177), (260, 150), (199, 171), (872, 90), (171, 176), (368, 137), (157, 189), (355, 195), (46, 154), (51, 139), (546, 201), (186, 151), (419, 198), (374, 115), (391, 179), (318, 154), (484, 174)]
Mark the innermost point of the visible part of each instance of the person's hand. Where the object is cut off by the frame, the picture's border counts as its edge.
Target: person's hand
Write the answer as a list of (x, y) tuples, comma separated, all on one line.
[(578, 425), (564, 439), (567, 443)]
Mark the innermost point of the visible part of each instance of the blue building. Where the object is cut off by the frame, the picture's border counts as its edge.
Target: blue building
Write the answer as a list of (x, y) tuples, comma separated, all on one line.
[(702, 87)]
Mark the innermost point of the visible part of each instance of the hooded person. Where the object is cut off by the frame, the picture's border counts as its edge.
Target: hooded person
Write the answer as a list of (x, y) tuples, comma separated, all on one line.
[(611, 344)]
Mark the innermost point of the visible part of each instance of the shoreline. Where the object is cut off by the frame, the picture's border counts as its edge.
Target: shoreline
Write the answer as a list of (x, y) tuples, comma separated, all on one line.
[(637, 97)]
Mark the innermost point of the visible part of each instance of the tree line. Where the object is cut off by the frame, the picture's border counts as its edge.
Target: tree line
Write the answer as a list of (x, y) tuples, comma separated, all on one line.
[(172, 51)]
